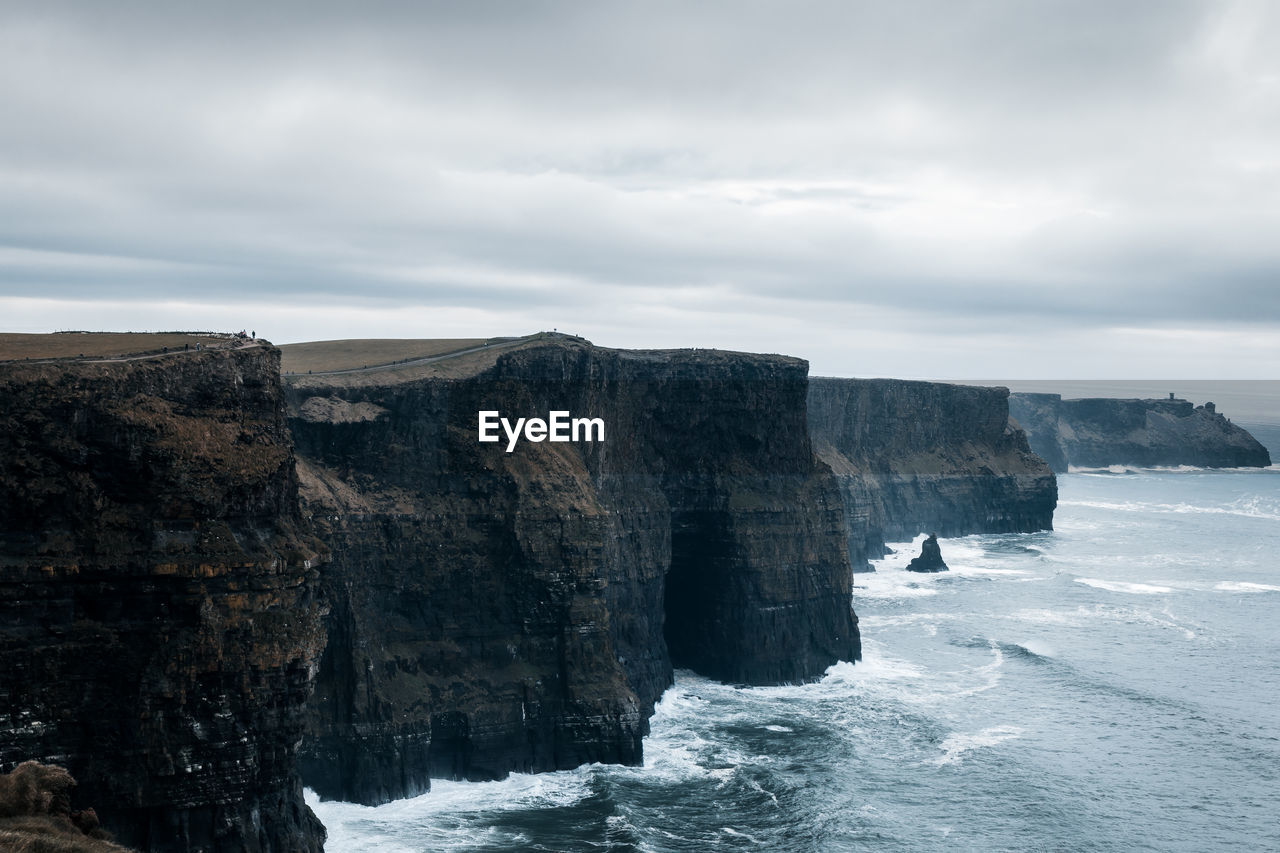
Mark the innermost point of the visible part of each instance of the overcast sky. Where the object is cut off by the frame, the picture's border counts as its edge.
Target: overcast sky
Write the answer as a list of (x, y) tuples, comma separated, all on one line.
[(923, 189)]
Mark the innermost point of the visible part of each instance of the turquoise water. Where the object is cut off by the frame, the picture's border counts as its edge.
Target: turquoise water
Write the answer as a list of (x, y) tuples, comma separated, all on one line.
[(1112, 685)]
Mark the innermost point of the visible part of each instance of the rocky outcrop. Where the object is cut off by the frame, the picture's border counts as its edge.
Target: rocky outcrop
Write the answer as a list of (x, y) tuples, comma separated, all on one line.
[(158, 620), (495, 612), (930, 559), (912, 457), (1097, 432)]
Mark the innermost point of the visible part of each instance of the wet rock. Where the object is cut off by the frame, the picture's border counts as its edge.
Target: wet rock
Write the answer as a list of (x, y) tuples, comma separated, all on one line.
[(930, 559)]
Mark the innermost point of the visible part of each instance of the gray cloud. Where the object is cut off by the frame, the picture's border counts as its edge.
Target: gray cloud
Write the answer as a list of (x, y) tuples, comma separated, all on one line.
[(990, 180)]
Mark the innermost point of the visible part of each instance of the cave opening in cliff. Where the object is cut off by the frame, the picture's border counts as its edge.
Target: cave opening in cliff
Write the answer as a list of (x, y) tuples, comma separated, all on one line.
[(693, 594)]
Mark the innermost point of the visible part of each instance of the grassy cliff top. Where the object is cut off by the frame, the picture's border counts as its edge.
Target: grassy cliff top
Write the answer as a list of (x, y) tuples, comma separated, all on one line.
[(380, 361), (356, 353), (387, 361), (16, 346)]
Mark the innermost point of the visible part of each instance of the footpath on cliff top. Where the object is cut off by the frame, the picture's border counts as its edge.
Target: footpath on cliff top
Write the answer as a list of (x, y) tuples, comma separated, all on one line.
[(105, 347)]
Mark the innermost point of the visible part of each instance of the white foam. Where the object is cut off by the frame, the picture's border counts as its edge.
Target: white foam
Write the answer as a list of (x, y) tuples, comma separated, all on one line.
[(1138, 469), (1063, 524), (1038, 647), (1145, 617), (1246, 508), (872, 667), (1084, 616), (965, 556), (990, 672), (895, 619), (1043, 616), (1166, 469), (1109, 469), (971, 570), (1246, 586), (785, 729), (958, 552), (1123, 586), (956, 745), (889, 581), (675, 747), (909, 682), (898, 589), (729, 830), (443, 817), (756, 786)]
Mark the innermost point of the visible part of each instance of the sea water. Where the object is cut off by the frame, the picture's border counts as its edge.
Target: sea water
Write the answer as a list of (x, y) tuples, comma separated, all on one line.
[(1111, 685)]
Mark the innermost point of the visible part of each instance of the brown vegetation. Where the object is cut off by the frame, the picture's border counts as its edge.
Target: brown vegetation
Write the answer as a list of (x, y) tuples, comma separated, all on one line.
[(413, 369), (321, 356), (36, 815)]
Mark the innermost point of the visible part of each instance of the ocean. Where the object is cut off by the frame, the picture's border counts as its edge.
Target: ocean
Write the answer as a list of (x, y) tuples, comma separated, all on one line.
[(1112, 685)]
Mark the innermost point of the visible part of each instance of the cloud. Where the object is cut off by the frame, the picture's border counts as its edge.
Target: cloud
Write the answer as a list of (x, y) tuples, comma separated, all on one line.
[(993, 179)]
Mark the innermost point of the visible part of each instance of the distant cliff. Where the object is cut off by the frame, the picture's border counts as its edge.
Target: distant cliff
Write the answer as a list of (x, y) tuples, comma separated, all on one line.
[(496, 612), (158, 623), (926, 457), (1097, 432)]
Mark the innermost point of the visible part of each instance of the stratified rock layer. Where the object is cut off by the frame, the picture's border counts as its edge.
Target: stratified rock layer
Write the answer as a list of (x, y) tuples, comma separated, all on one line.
[(158, 623), (915, 457), (496, 612), (1097, 432)]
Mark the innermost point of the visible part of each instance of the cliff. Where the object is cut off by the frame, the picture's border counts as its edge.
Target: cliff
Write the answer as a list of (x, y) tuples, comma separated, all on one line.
[(926, 457), (158, 619), (495, 612), (1097, 432)]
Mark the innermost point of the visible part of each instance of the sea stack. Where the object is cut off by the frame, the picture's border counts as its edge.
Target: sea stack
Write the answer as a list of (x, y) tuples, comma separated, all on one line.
[(930, 559)]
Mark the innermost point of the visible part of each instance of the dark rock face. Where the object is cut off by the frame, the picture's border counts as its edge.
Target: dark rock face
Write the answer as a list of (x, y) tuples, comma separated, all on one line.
[(930, 559), (158, 620), (1097, 432), (926, 456), (496, 612)]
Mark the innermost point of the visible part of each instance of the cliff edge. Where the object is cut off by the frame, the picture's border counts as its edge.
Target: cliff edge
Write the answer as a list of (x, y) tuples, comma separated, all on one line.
[(158, 619), (498, 611)]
